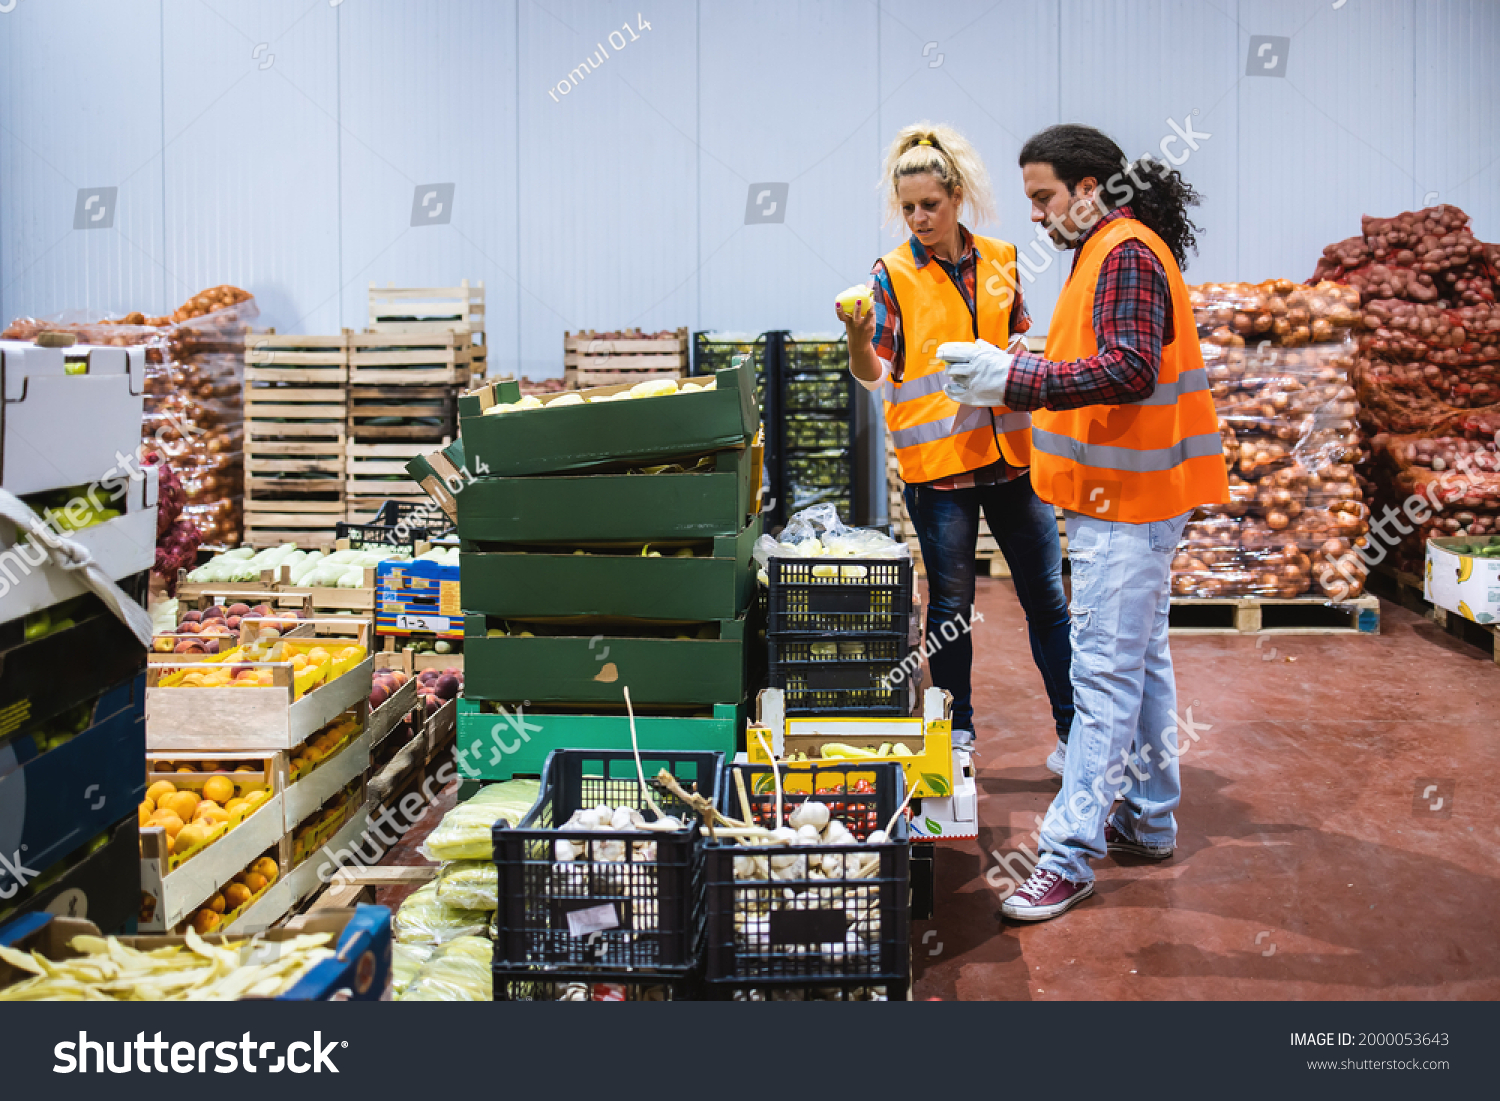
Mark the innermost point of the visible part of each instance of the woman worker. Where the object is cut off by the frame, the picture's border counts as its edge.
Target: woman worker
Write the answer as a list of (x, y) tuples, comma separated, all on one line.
[(944, 283)]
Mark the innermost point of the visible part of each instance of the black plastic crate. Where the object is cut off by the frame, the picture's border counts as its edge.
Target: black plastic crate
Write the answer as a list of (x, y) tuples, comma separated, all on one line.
[(842, 930), (643, 915), (830, 391), (839, 595), (522, 986), (846, 992), (841, 674)]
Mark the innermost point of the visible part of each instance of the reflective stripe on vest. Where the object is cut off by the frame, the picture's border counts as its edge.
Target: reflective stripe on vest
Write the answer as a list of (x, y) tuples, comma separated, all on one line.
[(1167, 393), (967, 419), (934, 436), (916, 388), (1126, 458)]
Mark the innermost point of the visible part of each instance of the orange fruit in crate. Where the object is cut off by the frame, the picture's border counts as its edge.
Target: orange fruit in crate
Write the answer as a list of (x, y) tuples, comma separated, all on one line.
[(235, 896), (156, 791), (205, 921), (230, 804), (143, 815), (167, 821), (239, 814), (299, 662), (219, 789), (162, 766), (182, 804), (256, 882), (211, 814), (246, 768), (217, 904), (266, 867), (190, 837), (257, 798)]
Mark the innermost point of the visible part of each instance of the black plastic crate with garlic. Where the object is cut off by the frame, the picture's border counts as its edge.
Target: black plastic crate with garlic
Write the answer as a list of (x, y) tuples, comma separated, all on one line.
[(611, 900), (833, 906)]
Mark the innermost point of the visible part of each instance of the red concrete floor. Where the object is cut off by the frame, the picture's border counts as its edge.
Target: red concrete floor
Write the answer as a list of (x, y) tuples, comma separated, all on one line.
[(1308, 864)]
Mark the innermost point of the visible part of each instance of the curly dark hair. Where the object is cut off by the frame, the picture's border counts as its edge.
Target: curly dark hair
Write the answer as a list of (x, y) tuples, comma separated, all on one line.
[(1157, 194)]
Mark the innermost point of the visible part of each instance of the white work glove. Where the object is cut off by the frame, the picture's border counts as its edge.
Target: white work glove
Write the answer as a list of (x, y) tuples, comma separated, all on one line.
[(977, 372)]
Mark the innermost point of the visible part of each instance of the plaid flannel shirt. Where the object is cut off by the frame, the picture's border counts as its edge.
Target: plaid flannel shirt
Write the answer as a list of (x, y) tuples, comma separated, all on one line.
[(1132, 322), (890, 344)]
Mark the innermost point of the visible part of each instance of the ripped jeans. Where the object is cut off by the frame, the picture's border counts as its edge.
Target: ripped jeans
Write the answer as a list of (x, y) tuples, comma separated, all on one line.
[(1124, 739)]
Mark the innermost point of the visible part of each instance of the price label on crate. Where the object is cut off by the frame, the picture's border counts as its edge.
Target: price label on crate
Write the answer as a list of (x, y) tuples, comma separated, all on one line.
[(593, 919), (436, 623)]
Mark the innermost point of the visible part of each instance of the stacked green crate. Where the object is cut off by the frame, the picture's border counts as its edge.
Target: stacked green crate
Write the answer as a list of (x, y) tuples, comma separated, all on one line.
[(605, 546)]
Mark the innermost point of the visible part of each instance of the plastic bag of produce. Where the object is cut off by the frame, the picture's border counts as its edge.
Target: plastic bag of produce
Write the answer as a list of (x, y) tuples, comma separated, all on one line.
[(817, 532), (459, 971), (469, 884), (406, 961), (424, 919), (464, 832)]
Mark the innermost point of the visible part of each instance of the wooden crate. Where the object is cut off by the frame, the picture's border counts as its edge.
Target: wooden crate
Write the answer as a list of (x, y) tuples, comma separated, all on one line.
[(368, 471), (412, 358), (427, 309), (296, 415), (589, 360), (412, 404)]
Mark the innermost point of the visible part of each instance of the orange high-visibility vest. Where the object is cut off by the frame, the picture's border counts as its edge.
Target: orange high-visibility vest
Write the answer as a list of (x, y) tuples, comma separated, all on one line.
[(1149, 460), (936, 437)]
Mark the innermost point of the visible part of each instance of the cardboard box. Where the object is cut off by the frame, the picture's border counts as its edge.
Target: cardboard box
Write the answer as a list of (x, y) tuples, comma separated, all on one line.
[(121, 547), (1468, 584), (523, 585), (59, 430), (190, 720), (584, 437), (418, 598), (361, 968), (578, 669), (603, 507), (58, 800), (103, 885), (41, 679), (498, 747)]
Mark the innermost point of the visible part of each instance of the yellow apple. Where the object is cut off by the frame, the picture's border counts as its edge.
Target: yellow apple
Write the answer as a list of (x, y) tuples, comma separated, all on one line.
[(859, 294)]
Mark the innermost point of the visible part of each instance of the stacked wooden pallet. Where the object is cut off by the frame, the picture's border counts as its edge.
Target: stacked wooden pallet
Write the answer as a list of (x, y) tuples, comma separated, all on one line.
[(607, 359), (987, 550), (427, 309), (403, 402), (295, 442)]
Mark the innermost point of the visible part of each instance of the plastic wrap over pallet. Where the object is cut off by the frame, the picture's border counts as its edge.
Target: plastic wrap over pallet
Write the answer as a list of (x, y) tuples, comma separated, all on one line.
[(1289, 421)]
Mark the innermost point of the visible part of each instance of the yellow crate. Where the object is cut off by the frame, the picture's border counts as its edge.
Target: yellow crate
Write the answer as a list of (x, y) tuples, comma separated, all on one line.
[(930, 771)]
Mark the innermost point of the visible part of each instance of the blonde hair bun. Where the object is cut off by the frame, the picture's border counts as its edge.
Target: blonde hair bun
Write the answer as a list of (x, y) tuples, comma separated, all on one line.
[(936, 149)]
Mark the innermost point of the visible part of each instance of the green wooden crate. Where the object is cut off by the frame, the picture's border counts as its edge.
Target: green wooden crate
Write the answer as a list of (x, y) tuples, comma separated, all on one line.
[(589, 667), (583, 437), (519, 585), (499, 747), (606, 507)]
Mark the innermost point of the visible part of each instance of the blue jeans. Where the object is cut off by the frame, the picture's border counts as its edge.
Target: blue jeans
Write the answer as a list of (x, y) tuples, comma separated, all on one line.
[(1124, 744), (1025, 527)]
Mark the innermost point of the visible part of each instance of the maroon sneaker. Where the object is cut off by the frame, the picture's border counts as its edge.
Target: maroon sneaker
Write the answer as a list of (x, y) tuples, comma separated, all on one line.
[(1045, 895), (1116, 841)]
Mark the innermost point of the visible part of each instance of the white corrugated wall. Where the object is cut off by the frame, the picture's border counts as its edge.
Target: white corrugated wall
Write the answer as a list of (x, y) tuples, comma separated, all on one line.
[(277, 145)]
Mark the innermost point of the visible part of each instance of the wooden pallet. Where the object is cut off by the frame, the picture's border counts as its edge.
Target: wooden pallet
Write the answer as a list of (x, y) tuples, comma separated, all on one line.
[(591, 361), (1407, 589), (1250, 615), (427, 309), (410, 359), (309, 524)]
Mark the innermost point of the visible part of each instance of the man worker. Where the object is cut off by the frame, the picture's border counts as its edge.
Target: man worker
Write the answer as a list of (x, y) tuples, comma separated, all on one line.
[(1126, 441)]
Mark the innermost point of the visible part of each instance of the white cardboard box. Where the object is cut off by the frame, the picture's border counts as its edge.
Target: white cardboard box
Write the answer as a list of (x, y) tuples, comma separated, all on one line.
[(1463, 583), (63, 430)]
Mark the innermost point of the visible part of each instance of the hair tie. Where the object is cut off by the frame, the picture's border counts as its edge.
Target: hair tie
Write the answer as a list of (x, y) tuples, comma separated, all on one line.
[(924, 141)]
